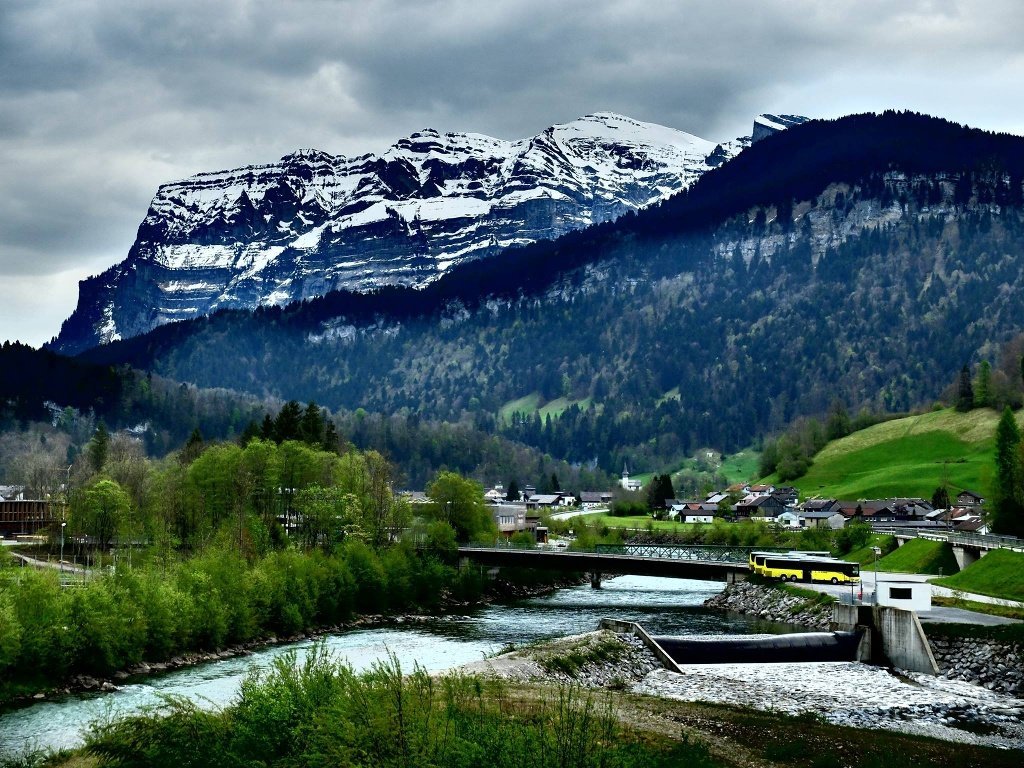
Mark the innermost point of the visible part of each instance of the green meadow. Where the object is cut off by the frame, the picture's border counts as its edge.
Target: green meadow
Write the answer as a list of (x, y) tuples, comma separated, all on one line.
[(911, 456), (1000, 574)]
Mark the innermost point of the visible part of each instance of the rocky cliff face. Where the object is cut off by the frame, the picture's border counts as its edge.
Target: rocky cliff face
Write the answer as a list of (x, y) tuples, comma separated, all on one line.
[(314, 222)]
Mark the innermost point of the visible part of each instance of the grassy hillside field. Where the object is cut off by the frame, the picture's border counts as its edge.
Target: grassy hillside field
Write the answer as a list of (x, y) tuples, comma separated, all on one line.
[(920, 556), (1000, 573), (908, 457)]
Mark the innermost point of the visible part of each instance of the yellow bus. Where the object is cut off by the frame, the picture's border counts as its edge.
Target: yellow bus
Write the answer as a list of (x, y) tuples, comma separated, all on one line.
[(821, 569), (756, 559)]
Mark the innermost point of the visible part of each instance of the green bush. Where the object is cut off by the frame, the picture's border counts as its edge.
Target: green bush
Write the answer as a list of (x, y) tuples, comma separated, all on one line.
[(320, 713)]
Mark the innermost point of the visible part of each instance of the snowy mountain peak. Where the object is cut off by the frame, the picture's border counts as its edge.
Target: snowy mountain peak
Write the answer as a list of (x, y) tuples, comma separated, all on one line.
[(315, 222)]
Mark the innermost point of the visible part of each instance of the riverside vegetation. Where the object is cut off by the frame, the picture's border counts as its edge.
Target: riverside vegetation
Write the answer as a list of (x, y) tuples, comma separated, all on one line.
[(222, 545), (319, 713)]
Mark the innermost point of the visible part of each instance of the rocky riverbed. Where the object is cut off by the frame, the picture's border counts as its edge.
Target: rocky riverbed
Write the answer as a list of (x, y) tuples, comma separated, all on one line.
[(993, 665), (842, 693), (773, 604)]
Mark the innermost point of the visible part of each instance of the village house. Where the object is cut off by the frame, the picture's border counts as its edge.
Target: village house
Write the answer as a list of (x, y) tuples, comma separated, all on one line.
[(692, 511), (548, 500), (968, 498), (591, 499), (789, 519), (820, 505), (964, 519), (822, 518), (513, 518), (495, 495), (763, 505), (787, 494)]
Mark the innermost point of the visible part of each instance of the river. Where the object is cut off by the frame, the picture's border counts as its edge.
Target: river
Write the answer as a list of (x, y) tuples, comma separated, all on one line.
[(664, 606)]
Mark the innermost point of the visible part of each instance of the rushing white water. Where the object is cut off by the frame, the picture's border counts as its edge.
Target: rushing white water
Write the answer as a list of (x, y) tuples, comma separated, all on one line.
[(663, 605)]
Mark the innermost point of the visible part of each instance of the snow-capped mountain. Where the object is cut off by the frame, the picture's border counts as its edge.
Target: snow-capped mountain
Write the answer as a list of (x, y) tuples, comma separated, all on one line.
[(314, 222)]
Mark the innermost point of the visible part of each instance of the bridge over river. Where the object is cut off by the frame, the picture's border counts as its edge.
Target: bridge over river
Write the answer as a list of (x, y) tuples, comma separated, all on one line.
[(706, 562)]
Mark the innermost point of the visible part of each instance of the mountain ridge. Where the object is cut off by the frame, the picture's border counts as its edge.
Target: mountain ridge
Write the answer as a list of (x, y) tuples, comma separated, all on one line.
[(858, 259), (270, 234)]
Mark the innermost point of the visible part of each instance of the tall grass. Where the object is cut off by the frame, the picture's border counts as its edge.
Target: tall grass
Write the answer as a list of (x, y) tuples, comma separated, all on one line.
[(320, 713)]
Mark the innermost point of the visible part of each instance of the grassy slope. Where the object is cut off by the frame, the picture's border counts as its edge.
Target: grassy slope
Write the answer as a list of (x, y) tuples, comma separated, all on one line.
[(865, 555), (999, 574), (528, 404), (908, 457), (920, 556), (741, 466), (531, 404)]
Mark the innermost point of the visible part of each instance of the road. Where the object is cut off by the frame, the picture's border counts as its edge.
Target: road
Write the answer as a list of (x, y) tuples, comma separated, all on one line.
[(938, 614)]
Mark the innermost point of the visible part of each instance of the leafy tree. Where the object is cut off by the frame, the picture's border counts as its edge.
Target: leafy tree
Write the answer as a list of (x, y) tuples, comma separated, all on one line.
[(965, 392), (460, 503), (101, 511), (328, 516), (983, 386)]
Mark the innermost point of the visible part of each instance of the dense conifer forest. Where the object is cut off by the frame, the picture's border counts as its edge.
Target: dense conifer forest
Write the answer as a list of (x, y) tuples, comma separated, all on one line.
[(864, 260)]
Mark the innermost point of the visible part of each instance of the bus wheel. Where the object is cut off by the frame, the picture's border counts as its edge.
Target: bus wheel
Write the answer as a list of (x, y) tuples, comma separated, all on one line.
[(835, 580)]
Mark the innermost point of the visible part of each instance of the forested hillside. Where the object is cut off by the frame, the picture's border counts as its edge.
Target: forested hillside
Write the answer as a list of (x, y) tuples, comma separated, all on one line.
[(51, 407), (865, 259)]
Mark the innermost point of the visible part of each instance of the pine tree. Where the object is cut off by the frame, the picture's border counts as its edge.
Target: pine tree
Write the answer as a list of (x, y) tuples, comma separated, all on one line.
[(332, 440), (965, 392), (311, 426), (98, 448), (512, 494), (1009, 517), (659, 491), (287, 426), (983, 387), (940, 498), (192, 448), (838, 421)]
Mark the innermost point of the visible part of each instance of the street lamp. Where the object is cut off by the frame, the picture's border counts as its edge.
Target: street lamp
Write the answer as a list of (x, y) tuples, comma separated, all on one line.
[(63, 525), (874, 596)]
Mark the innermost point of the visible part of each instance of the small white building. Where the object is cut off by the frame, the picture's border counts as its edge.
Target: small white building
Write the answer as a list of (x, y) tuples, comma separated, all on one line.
[(909, 595), (789, 519)]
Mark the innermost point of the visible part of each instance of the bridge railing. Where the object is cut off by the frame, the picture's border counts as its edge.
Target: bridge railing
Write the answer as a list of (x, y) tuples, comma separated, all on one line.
[(719, 553), (983, 540)]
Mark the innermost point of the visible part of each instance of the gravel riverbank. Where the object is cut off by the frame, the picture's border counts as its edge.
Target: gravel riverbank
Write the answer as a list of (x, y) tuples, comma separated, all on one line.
[(842, 693), (772, 604)]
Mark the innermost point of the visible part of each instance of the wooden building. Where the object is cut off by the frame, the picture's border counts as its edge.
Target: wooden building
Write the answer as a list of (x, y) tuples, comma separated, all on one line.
[(24, 517)]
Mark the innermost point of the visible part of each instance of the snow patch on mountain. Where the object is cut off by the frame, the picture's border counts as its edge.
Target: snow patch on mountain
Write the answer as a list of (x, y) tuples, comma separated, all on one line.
[(315, 222)]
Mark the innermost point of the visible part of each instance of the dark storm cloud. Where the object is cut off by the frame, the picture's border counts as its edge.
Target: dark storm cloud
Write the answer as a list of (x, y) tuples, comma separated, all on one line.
[(100, 101)]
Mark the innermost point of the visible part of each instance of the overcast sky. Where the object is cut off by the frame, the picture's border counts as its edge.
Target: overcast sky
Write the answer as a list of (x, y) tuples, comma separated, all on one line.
[(102, 100)]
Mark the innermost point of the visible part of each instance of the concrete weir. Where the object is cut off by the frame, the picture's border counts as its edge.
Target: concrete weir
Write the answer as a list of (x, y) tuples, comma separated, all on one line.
[(891, 636), (878, 635)]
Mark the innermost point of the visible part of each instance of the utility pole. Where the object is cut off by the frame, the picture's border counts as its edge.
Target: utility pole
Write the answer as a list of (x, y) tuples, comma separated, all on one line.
[(874, 595)]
